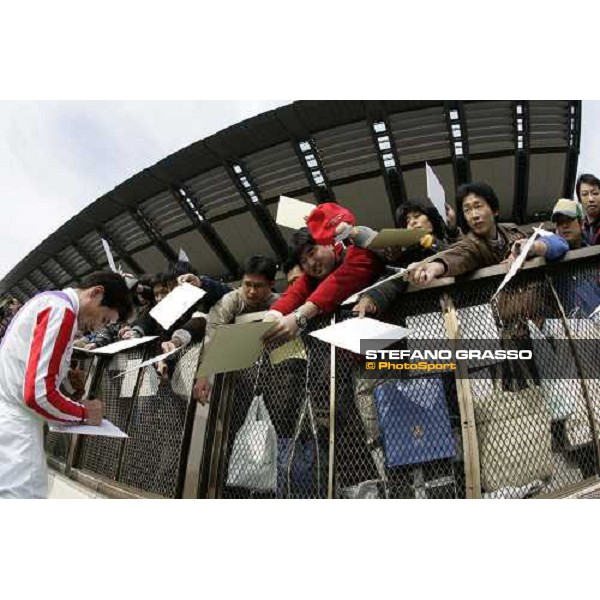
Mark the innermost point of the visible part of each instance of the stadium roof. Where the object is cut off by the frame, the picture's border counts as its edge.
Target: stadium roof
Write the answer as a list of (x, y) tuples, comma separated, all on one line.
[(217, 197)]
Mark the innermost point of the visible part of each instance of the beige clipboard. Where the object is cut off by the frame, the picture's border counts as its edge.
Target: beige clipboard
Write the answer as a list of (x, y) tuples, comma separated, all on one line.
[(396, 237), (234, 347)]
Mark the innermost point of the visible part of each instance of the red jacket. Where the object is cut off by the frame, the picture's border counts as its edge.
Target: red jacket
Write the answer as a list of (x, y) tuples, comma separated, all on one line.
[(357, 269)]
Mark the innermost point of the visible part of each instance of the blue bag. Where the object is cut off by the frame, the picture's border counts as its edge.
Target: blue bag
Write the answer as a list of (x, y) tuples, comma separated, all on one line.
[(414, 421), (303, 473)]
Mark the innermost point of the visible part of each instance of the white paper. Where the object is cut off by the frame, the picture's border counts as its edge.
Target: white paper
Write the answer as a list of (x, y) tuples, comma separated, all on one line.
[(518, 262), (80, 349), (106, 428), (292, 213), (435, 192), (356, 296), (596, 311), (147, 363), (123, 345), (130, 379), (109, 256), (183, 257), (175, 304), (348, 334)]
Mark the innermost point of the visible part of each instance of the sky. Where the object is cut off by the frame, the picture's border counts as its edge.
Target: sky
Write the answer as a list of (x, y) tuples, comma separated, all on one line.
[(56, 157)]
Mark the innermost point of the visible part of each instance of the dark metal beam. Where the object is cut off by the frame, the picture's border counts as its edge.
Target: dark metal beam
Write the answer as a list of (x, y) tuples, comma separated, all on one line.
[(18, 290), (459, 141), (29, 284), (310, 159), (123, 254), (259, 211), (253, 201), (574, 129), (521, 138), (63, 265), (389, 161), (153, 233), (195, 212), (86, 256), (49, 276)]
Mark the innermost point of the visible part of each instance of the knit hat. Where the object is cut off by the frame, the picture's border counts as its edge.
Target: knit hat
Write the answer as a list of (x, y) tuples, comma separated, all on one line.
[(323, 220), (568, 208)]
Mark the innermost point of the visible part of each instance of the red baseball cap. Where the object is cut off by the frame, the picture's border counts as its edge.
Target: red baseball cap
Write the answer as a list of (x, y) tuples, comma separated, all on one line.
[(323, 220)]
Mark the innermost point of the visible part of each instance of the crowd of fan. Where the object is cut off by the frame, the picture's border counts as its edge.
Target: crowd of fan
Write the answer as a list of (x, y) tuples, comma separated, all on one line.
[(330, 260)]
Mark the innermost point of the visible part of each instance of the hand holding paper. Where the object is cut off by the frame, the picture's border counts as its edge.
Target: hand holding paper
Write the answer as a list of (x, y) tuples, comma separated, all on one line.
[(175, 304), (518, 262), (106, 428)]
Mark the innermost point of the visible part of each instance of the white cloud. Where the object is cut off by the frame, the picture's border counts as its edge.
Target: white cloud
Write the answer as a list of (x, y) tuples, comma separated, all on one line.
[(58, 157)]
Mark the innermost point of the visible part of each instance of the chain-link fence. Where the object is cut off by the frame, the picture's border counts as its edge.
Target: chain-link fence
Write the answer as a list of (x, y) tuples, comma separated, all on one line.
[(58, 445), (277, 421), (308, 421), (494, 428), (155, 413)]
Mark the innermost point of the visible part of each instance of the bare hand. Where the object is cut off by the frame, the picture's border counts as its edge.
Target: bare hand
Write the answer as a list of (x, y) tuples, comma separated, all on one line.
[(422, 275), (162, 369), (95, 411), (169, 346), (285, 328), (191, 279), (202, 389), (90, 347), (125, 333), (365, 306)]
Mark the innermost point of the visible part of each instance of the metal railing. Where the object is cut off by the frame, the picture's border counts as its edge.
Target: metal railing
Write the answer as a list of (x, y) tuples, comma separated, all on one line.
[(316, 425)]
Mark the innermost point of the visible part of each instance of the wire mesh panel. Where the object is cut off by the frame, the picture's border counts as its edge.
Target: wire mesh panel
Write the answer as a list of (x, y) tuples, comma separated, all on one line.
[(521, 406), (398, 433), (57, 445), (101, 454), (278, 424), (155, 450)]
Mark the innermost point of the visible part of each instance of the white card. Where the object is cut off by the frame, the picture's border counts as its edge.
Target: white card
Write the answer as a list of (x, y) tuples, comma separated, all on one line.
[(109, 256), (435, 191), (292, 213), (130, 379), (518, 263), (175, 304), (146, 363), (354, 298), (183, 257), (123, 345), (348, 334), (106, 428)]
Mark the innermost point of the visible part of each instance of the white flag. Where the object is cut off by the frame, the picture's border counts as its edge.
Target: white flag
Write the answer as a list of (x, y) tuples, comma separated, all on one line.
[(435, 191)]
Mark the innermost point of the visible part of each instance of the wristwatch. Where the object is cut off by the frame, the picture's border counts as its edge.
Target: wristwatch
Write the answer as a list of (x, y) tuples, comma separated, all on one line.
[(301, 320)]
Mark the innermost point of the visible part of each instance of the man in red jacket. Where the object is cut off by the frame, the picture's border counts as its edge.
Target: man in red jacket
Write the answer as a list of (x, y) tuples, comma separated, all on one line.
[(331, 273)]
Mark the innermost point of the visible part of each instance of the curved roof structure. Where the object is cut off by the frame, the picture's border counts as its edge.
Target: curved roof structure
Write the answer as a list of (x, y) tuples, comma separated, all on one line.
[(217, 197)]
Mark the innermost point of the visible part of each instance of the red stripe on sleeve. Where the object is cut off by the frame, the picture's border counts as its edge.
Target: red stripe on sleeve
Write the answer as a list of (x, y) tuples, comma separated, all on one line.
[(62, 403), (35, 350)]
